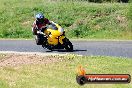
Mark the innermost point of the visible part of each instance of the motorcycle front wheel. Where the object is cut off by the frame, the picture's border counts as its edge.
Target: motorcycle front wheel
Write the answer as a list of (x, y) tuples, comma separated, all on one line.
[(39, 39)]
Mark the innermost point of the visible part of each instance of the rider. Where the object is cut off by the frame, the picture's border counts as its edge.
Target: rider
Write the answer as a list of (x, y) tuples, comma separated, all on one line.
[(40, 24)]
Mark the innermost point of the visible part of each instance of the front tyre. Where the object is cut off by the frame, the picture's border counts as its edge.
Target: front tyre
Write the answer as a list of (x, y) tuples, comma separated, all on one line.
[(68, 45), (39, 39)]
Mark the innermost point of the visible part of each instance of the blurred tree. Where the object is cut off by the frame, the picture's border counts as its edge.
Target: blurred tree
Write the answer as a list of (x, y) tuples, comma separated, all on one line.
[(96, 1), (124, 1)]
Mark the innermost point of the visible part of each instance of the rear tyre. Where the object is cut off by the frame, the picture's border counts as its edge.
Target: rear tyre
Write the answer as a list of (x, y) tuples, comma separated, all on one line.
[(68, 45)]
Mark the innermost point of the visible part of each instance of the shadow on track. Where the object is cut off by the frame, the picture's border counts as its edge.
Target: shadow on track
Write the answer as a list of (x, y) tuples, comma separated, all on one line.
[(62, 50)]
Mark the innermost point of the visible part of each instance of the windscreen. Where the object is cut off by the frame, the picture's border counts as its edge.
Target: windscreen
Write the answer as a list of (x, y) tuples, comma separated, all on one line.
[(53, 26)]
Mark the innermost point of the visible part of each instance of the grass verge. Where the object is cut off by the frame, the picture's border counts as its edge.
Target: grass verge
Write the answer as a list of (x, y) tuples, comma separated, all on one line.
[(81, 19), (61, 74)]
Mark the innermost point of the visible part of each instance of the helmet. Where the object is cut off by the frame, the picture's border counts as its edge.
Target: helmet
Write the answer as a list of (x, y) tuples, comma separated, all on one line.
[(40, 17)]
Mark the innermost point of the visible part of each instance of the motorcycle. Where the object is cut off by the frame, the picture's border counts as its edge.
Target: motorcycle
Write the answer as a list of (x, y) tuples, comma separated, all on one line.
[(51, 38)]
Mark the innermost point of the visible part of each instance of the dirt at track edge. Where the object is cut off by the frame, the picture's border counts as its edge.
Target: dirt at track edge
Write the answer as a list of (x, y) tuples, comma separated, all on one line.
[(15, 59)]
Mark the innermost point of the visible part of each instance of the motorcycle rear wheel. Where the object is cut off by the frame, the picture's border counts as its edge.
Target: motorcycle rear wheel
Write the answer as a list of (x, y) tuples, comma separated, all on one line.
[(68, 45)]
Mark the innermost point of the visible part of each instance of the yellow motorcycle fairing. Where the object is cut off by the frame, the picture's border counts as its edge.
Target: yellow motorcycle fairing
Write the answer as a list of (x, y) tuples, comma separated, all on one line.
[(55, 40), (55, 36), (61, 39)]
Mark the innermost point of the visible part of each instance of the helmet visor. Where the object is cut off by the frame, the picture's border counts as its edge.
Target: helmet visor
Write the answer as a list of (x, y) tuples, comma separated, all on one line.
[(41, 20)]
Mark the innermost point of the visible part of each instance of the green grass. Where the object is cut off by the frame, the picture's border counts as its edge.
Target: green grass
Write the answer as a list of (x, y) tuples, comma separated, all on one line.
[(80, 19), (63, 74)]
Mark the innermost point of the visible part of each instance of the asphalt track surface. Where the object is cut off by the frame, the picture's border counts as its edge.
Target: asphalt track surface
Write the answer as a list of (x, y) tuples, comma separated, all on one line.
[(105, 48)]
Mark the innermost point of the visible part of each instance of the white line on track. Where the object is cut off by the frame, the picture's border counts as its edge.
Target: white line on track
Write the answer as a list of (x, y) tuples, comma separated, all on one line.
[(36, 53)]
